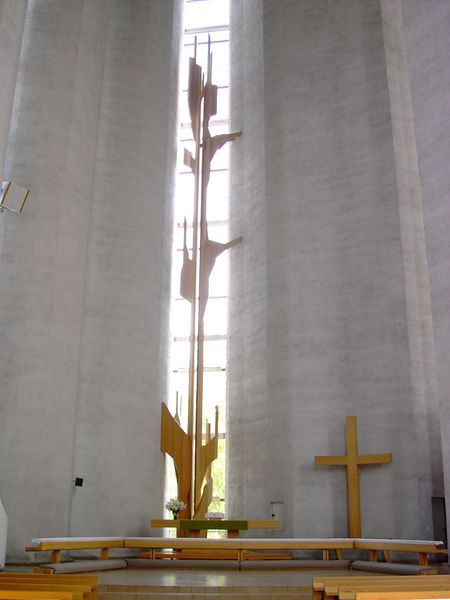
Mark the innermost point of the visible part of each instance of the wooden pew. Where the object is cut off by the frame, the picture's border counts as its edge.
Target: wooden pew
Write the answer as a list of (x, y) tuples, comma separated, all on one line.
[(332, 583), (412, 595), (80, 587), (91, 580), (79, 592), (34, 595), (350, 594), (347, 590)]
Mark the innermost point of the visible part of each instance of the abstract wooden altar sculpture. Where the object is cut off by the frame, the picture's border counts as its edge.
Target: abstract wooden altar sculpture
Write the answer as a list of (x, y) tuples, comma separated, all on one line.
[(352, 460), (191, 456)]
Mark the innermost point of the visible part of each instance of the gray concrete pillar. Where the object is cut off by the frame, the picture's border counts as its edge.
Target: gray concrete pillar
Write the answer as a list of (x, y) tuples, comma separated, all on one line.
[(42, 264), (428, 49), (428, 470), (12, 19), (323, 318), (123, 360)]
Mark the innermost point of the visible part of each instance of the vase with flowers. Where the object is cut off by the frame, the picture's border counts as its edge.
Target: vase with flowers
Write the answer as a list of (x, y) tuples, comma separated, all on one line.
[(175, 505)]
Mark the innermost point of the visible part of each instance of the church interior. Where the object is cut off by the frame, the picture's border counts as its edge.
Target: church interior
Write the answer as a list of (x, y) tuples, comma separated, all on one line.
[(333, 426)]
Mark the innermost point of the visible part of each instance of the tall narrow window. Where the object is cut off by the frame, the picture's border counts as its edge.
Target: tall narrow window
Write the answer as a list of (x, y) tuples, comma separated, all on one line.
[(203, 19)]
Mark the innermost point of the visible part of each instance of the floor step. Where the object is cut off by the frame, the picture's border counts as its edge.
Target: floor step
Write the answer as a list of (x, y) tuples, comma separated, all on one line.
[(172, 592), (169, 594)]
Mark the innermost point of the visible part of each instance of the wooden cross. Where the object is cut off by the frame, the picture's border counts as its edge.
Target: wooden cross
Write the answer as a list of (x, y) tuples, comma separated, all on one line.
[(352, 460)]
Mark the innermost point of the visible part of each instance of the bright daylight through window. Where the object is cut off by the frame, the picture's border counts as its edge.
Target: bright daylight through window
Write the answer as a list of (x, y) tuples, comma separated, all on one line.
[(203, 18)]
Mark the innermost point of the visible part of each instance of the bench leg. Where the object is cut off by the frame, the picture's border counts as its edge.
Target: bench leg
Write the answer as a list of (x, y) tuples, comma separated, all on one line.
[(104, 555), (423, 559), (339, 554), (56, 556), (325, 554), (373, 555), (387, 556)]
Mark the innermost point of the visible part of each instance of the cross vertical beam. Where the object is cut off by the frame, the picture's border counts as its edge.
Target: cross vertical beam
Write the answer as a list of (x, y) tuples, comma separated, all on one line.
[(353, 489)]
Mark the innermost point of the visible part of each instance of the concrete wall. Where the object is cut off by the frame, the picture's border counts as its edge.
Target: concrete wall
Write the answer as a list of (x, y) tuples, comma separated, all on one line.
[(321, 324), (12, 19), (83, 281), (52, 151), (123, 359)]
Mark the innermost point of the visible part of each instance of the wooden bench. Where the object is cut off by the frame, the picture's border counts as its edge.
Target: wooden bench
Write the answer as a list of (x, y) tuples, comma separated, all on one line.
[(79, 592), (326, 545), (57, 545), (421, 547), (241, 549), (240, 545), (34, 595), (411, 595), (329, 585), (79, 587), (11, 577), (349, 593)]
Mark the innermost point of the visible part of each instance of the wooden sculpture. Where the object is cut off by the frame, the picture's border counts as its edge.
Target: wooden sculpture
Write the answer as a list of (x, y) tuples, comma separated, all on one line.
[(191, 456), (352, 460)]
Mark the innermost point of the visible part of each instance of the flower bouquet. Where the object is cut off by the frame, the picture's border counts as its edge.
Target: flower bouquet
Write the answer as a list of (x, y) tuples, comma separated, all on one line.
[(175, 505)]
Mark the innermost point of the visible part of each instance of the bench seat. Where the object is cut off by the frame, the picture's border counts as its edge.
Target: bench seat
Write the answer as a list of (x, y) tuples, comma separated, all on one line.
[(74, 543)]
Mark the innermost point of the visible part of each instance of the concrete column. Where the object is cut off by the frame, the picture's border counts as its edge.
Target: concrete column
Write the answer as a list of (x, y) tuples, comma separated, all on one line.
[(427, 43), (321, 319), (428, 470), (42, 264), (248, 392), (123, 360), (12, 19), (3, 534)]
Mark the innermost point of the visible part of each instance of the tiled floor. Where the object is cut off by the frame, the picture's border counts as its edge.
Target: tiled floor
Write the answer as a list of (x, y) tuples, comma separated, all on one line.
[(185, 577), (185, 584)]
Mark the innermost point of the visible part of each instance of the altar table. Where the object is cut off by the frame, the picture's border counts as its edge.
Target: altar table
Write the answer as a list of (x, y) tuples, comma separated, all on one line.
[(194, 527)]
